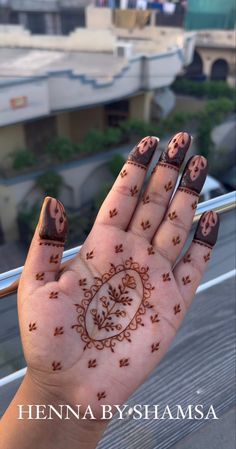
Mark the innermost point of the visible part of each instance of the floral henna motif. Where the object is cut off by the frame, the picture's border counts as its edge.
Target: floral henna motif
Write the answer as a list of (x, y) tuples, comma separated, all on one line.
[(176, 240), (155, 318), (134, 190), (119, 248), (176, 150), (194, 205), (168, 186), (92, 363), (124, 362), (207, 229), (89, 255), (166, 277), (186, 280), (40, 276), (54, 259), (150, 250), (53, 295), (101, 395), (146, 199), (194, 176), (113, 213), (56, 366), (111, 309), (143, 152), (155, 347), (58, 331), (53, 221), (172, 215), (83, 282), (32, 327), (207, 257), (123, 173), (177, 309), (187, 258), (145, 225)]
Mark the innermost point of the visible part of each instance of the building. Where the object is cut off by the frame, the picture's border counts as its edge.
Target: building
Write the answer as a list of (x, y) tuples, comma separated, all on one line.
[(65, 85), (210, 15)]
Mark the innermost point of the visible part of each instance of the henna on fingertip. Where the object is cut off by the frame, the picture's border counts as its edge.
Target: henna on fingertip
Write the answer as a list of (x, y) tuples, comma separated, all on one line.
[(176, 150), (53, 223), (207, 229), (194, 176), (143, 152)]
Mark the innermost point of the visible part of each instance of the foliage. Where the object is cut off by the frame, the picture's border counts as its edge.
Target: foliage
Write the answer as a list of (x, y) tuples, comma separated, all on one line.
[(50, 183), (61, 149), (23, 158), (112, 136), (205, 89), (115, 164)]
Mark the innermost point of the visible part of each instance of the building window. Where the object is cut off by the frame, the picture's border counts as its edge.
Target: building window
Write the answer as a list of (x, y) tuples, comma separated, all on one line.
[(36, 22), (117, 112), (72, 19), (38, 133)]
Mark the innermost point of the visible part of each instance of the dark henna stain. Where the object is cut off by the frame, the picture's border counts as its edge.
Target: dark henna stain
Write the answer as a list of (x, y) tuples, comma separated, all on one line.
[(155, 347), (58, 331), (137, 165), (119, 248), (194, 175), (113, 213), (54, 245), (143, 152), (40, 276), (150, 250), (172, 215), (187, 258), (92, 363), (134, 190), (176, 240), (207, 229), (186, 280), (123, 173), (207, 257), (56, 366), (109, 303), (53, 295), (124, 362), (89, 255), (145, 225), (166, 277), (82, 282), (146, 199), (154, 318), (176, 150), (32, 327), (177, 309), (53, 221), (101, 395), (194, 205), (54, 259), (168, 186)]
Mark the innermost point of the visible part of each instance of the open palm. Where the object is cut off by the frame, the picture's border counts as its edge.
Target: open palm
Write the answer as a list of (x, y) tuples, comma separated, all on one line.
[(94, 330)]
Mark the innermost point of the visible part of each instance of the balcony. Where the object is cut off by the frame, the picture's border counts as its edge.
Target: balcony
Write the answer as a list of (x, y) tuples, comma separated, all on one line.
[(198, 368)]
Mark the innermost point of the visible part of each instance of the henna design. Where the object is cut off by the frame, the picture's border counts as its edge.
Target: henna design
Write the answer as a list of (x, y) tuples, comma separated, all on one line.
[(177, 309), (155, 347), (119, 248), (133, 190), (194, 205), (150, 250), (136, 164), (90, 255), (168, 186), (145, 225), (58, 331), (56, 366), (176, 150), (166, 277), (53, 295), (40, 276), (113, 213), (123, 173), (32, 327), (102, 319), (172, 215), (82, 282), (207, 229), (54, 245), (92, 363), (143, 152), (207, 257), (176, 240), (54, 259), (187, 258), (146, 199), (194, 175), (101, 395), (53, 221), (186, 280), (124, 362), (154, 318)]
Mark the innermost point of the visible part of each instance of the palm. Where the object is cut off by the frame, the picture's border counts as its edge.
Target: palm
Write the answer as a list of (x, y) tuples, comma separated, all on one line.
[(116, 305)]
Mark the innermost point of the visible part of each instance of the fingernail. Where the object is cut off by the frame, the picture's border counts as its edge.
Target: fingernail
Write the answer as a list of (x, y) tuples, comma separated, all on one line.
[(53, 224), (142, 153), (176, 150), (207, 229), (194, 174)]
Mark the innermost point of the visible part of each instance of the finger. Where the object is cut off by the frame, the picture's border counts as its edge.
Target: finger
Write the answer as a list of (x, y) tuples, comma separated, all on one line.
[(172, 234), (190, 269), (152, 208), (46, 249), (119, 205)]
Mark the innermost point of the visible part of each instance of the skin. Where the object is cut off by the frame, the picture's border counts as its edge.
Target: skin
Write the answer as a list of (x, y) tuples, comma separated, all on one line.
[(152, 231)]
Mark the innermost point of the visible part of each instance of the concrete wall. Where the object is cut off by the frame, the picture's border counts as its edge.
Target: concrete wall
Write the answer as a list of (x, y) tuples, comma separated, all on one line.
[(140, 106), (83, 120), (11, 139)]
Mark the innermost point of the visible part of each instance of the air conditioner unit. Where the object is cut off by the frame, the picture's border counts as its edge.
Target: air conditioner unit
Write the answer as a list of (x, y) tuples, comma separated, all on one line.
[(124, 50)]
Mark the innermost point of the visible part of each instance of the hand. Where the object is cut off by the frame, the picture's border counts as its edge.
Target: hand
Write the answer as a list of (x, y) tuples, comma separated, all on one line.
[(92, 332)]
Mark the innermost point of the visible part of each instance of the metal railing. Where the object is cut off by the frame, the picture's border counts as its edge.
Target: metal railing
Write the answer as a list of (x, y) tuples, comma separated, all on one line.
[(10, 279)]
